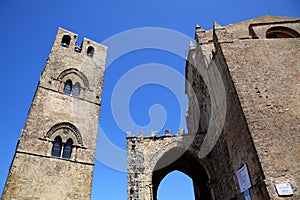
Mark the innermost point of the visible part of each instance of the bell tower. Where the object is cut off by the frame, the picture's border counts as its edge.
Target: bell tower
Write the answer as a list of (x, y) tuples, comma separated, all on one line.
[(54, 157)]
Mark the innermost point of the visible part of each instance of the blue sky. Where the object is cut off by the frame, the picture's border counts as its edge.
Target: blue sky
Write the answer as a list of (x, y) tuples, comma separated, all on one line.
[(28, 29)]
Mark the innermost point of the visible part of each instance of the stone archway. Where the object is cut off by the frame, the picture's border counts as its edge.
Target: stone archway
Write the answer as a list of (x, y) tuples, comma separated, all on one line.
[(150, 159), (188, 164)]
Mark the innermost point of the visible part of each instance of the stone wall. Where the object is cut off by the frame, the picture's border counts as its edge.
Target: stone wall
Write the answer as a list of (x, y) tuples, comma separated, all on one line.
[(243, 92), (262, 93), (230, 144), (35, 173), (42, 177), (266, 77), (151, 158)]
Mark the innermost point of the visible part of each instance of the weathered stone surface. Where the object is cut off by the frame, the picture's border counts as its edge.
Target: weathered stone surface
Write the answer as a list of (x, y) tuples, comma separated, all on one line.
[(148, 154), (266, 75), (243, 90), (35, 173), (260, 80)]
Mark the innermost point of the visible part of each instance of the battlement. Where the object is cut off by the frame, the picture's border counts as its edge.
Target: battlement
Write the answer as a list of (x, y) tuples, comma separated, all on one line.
[(153, 134), (59, 136), (72, 66), (67, 41), (266, 27)]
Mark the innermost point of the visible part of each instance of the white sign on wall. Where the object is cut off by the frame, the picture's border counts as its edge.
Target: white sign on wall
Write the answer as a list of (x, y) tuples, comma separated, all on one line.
[(243, 178), (284, 189)]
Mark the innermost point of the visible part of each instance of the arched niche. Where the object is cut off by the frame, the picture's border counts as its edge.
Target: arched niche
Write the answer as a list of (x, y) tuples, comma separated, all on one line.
[(281, 32), (90, 51), (65, 41)]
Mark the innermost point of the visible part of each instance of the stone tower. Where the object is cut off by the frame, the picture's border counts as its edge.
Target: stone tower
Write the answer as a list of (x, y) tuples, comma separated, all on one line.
[(242, 82), (54, 157)]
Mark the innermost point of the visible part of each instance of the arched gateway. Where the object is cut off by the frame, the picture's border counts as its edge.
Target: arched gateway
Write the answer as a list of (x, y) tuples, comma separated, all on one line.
[(188, 164), (150, 159), (243, 91), (235, 119)]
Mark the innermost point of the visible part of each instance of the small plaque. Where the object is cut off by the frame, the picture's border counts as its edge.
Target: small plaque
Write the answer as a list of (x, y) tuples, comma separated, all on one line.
[(284, 189)]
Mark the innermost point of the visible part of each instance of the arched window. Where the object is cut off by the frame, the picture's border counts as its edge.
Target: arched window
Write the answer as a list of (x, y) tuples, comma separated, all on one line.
[(65, 42), (76, 90), (68, 149), (90, 51), (281, 32), (57, 145), (68, 87)]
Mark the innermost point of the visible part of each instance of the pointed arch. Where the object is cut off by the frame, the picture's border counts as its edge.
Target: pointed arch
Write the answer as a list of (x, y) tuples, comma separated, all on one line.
[(67, 149), (90, 51), (65, 126), (76, 89), (187, 163), (78, 73), (65, 41), (179, 180), (56, 148), (68, 87)]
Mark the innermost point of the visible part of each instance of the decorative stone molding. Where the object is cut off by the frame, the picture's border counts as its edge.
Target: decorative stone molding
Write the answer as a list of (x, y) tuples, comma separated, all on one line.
[(66, 129), (78, 73)]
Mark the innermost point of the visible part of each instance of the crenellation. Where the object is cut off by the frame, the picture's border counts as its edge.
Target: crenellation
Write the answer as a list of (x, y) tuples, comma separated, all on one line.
[(141, 134), (153, 133), (128, 134), (200, 35), (257, 65), (242, 83), (167, 132), (59, 135)]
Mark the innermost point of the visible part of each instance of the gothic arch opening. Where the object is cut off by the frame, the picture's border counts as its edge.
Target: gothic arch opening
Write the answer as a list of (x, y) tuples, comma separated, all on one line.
[(188, 164), (180, 181), (65, 130), (90, 51), (77, 76), (65, 41), (68, 87)]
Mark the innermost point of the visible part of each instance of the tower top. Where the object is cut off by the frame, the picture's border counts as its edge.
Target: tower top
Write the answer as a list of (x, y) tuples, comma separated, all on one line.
[(87, 47)]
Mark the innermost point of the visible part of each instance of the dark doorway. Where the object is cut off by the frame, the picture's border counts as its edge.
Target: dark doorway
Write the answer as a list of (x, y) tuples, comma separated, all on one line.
[(188, 164)]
